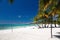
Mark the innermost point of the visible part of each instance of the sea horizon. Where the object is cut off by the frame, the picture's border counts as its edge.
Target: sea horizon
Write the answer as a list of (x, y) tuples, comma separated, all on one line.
[(9, 26)]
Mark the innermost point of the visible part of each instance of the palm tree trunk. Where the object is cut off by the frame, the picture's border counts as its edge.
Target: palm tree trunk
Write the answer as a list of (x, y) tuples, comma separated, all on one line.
[(55, 23)]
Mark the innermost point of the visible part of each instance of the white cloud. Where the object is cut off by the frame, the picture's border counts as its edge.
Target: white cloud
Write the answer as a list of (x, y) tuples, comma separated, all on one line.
[(19, 16)]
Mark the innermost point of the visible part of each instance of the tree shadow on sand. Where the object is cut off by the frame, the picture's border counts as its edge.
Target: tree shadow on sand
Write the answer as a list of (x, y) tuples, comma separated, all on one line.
[(58, 36)]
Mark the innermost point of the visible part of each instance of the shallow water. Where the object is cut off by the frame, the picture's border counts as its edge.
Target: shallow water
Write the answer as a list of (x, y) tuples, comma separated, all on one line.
[(9, 26)]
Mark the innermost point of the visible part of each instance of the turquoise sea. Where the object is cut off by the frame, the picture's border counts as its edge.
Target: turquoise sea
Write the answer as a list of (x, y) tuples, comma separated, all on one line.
[(9, 26)]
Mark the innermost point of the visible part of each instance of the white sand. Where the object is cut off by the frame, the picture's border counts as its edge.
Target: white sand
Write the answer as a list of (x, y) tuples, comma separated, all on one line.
[(28, 34)]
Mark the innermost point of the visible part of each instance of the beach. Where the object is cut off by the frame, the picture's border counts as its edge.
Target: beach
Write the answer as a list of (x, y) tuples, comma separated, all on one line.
[(28, 33)]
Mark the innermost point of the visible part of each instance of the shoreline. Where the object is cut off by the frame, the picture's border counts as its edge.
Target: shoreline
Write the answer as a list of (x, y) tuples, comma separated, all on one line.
[(28, 33)]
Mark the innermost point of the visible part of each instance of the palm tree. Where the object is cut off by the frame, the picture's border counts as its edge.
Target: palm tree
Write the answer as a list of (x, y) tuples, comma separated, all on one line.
[(47, 9), (11, 1)]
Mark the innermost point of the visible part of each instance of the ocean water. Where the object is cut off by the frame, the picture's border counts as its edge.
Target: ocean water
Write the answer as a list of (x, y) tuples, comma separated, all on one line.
[(9, 26)]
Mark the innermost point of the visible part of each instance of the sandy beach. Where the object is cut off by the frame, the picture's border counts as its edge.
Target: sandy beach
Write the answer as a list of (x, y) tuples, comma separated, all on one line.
[(28, 33)]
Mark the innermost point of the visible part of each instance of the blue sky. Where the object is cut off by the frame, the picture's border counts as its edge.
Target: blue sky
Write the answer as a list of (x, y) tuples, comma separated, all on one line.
[(18, 12)]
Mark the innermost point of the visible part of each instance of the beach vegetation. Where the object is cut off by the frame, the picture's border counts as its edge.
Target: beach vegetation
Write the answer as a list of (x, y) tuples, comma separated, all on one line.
[(48, 12)]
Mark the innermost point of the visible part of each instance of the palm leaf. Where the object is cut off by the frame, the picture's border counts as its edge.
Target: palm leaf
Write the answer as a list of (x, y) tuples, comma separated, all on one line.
[(11, 1)]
